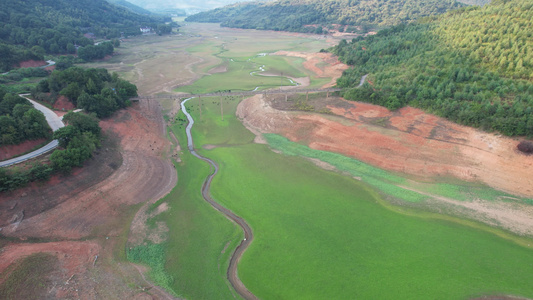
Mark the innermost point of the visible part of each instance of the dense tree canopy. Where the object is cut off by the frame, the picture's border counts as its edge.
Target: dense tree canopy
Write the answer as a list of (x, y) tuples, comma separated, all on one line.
[(299, 15), (460, 66), (91, 52), (475, 2), (31, 28), (19, 121), (78, 141), (94, 90)]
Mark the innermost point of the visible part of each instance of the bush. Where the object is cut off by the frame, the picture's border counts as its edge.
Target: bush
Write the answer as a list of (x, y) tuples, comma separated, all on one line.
[(525, 147), (14, 77)]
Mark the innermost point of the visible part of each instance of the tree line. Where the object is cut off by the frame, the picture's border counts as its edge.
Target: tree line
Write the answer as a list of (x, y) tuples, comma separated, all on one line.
[(20, 121), (430, 65), (77, 141), (298, 16), (94, 90), (33, 28)]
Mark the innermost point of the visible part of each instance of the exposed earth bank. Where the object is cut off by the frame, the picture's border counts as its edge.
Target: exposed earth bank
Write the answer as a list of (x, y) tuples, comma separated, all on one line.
[(422, 146), (97, 206), (408, 141), (10, 151)]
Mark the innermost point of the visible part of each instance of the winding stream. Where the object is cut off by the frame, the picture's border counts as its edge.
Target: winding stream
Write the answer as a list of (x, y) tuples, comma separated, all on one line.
[(231, 273), (248, 236)]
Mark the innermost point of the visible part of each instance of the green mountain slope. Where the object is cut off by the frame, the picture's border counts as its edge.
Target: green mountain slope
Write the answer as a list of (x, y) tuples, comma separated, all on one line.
[(473, 66), (186, 6), (474, 2), (130, 6), (310, 15), (31, 28)]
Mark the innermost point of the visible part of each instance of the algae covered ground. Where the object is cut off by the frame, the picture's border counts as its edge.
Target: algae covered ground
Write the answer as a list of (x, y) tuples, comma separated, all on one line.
[(318, 234)]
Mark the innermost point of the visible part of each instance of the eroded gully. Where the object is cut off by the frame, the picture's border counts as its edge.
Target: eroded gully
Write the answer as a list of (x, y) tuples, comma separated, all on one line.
[(248, 236)]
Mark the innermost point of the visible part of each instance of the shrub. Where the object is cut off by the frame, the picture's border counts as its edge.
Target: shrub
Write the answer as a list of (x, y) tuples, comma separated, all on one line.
[(525, 147)]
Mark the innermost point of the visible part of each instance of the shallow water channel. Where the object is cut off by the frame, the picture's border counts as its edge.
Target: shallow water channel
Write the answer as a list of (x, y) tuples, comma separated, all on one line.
[(248, 236)]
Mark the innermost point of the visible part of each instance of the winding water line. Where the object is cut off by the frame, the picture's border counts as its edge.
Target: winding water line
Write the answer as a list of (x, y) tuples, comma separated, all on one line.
[(231, 274)]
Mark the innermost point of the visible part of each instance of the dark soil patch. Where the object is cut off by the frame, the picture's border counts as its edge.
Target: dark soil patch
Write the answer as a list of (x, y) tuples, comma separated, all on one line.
[(29, 278), (32, 63), (120, 118), (525, 147)]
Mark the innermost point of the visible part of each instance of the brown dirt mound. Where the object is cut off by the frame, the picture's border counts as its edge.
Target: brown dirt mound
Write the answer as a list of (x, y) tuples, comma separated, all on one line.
[(62, 103), (10, 151), (32, 63)]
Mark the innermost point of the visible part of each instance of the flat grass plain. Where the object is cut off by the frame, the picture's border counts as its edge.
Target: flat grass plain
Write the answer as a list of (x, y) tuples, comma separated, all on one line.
[(318, 234)]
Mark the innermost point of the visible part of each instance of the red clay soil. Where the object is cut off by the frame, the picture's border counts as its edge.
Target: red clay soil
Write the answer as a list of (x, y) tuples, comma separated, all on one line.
[(75, 258), (10, 151), (62, 103), (32, 64), (408, 141), (94, 203), (141, 176)]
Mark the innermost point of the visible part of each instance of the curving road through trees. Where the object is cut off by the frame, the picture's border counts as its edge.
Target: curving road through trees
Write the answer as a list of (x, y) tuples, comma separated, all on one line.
[(248, 236), (55, 123)]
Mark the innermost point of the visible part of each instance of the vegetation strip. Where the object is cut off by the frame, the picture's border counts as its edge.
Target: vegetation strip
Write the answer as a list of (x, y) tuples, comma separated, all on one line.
[(455, 66), (248, 236)]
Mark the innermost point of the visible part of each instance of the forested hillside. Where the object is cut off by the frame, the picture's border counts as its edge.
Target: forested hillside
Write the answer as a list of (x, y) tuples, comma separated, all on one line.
[(32, 28), (130, 6), (473, 66), (475, 2), (314, 15), (181, 6)]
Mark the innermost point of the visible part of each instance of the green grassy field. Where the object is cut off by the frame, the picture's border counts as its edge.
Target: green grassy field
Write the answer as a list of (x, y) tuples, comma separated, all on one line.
[(237, 78), (321, 235), (282, 64), (243, 73), (194, 259), (318, 234)]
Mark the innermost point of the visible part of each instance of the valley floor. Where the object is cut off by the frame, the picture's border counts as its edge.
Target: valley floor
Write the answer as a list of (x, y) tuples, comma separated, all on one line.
[(116, 205)]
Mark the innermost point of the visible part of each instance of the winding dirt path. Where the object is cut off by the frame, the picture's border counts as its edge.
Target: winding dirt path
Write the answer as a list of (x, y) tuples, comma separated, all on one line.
[(231, 274)]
